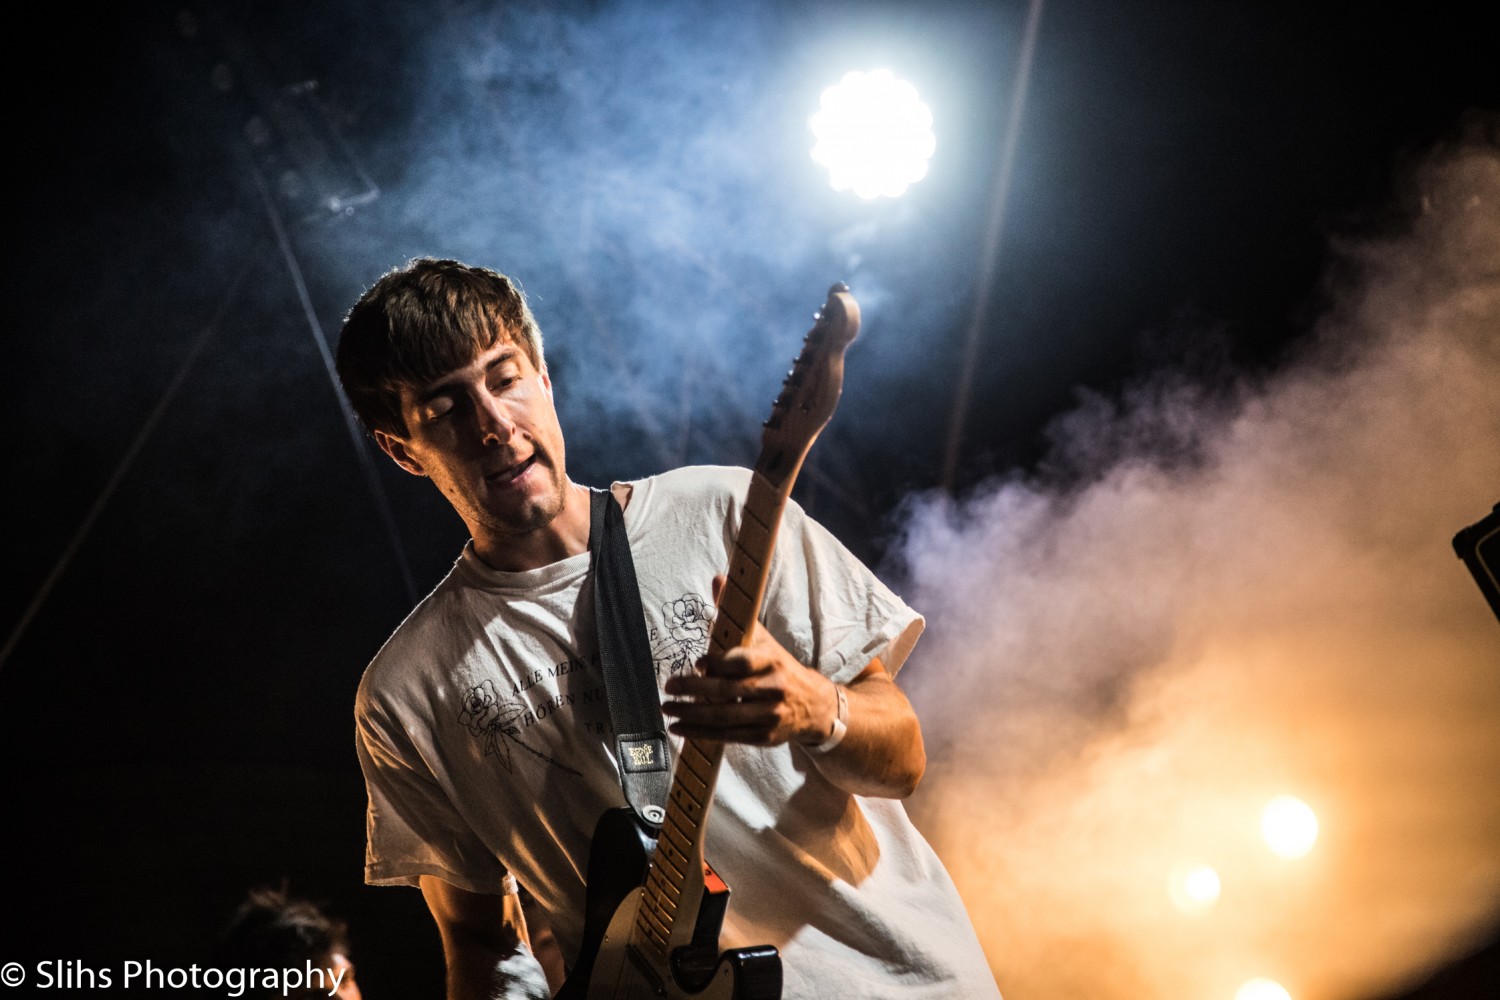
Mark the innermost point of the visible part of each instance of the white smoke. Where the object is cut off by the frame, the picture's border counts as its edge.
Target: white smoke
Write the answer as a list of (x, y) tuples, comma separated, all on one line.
[(1249, 594)]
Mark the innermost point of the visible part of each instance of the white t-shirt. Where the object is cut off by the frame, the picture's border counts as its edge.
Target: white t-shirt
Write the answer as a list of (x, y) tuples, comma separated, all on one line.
[(485, 740)]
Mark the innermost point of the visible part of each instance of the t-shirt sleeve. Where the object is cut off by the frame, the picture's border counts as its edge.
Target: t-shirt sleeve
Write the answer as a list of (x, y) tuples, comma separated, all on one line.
[(828, 608), (411, 825)]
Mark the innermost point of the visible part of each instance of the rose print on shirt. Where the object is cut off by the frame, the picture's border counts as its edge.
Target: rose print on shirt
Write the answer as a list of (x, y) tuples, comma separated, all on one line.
[(682, 637), (489, 715)]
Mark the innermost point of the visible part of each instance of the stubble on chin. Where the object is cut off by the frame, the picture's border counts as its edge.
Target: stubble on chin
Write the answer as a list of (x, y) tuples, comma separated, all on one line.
[(530, 514)]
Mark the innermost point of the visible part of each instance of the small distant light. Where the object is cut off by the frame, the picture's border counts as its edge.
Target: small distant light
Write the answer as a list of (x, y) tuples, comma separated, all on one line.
[(1194, 887), (874, 135), (1262, 989), (1289, 826)]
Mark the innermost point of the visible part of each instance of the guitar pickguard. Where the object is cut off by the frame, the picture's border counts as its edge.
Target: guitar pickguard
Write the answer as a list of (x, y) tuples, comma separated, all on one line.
[(610, 967)]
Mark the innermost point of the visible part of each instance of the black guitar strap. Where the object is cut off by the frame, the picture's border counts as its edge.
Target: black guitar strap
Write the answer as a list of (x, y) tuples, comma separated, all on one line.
[(629, 672)]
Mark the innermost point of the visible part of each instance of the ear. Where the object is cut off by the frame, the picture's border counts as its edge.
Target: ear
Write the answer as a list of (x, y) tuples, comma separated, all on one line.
[(546, 380), (400, 454)]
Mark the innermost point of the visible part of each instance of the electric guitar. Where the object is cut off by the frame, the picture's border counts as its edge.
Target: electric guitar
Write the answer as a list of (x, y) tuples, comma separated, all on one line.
[(654, 907)]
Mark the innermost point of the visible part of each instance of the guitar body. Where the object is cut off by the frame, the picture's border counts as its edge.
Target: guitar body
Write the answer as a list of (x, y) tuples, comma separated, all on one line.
[(609, 967), (654, 907)]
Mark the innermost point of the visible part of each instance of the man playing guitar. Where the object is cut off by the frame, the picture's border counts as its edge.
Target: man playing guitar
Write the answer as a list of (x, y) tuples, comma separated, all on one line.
[(483, 730)]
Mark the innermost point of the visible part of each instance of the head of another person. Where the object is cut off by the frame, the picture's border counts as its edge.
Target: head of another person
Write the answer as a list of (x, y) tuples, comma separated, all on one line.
[(442, 362), (273, 930)]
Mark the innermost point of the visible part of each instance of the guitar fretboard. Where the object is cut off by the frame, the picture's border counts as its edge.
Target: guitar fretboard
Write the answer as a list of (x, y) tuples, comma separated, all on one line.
[(679, 848)]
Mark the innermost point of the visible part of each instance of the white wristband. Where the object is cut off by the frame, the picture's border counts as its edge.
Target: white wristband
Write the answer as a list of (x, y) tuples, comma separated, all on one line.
[(840, 723), (834, 738), (508, 886)]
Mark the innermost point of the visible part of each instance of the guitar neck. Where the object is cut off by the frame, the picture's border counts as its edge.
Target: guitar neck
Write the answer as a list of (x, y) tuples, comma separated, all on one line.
[(808, 396), (679, 848)]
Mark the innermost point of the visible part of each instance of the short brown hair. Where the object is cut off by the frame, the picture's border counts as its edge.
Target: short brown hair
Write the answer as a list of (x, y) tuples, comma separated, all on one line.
[(273, 929), (421, 321)]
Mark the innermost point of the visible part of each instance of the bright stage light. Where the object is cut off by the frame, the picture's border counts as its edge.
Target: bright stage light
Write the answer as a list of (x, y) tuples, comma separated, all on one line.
[(1262, 989), (874, 135), (1194, 887), (1289, 826)]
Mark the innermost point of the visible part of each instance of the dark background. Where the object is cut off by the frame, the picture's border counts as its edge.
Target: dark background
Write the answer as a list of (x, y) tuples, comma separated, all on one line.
[(198, 565)]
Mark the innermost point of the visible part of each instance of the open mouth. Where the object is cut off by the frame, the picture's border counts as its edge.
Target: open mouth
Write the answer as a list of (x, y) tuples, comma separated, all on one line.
[(509, 474)]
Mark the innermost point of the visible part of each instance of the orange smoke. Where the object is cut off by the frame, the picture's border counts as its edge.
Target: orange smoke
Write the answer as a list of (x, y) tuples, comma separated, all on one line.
[(1119, 676)]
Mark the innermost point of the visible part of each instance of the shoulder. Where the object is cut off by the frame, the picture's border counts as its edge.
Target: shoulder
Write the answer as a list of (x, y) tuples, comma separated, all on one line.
[(710, 489), (697, 482), (427, 638)]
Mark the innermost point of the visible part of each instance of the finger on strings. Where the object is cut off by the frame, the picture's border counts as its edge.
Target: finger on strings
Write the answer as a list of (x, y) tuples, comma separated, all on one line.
[(754, 736), (734, 663), (722, 689), (722, 714)]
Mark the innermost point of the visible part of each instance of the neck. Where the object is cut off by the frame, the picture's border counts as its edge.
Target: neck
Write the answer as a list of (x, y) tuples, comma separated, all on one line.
[(566, 534)]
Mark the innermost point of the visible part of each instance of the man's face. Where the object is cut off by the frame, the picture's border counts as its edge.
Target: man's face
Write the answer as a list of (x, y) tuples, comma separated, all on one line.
[(488, 437)]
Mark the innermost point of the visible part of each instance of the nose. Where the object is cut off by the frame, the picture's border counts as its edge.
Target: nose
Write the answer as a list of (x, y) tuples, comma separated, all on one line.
[(494, 424)]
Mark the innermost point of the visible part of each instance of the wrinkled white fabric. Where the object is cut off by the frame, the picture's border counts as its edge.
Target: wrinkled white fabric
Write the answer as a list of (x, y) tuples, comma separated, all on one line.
[(485, 740)]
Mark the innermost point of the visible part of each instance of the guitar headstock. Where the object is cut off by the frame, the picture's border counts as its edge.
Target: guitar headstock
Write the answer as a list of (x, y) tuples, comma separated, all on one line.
[(811, 390)]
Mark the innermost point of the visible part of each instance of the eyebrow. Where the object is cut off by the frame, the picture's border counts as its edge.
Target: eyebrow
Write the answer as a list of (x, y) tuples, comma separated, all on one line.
[(442, 388)]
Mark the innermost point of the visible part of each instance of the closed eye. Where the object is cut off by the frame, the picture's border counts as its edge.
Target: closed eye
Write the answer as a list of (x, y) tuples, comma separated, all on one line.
[(499, 382), (437, 408)]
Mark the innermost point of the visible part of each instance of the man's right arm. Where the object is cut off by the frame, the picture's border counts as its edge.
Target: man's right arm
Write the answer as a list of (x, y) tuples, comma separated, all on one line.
[(484, 943)]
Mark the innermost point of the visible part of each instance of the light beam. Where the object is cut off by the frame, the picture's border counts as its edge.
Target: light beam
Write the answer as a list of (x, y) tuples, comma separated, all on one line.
[(1262, 989), (874, 135), (1289, 826), (1193, 887)]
